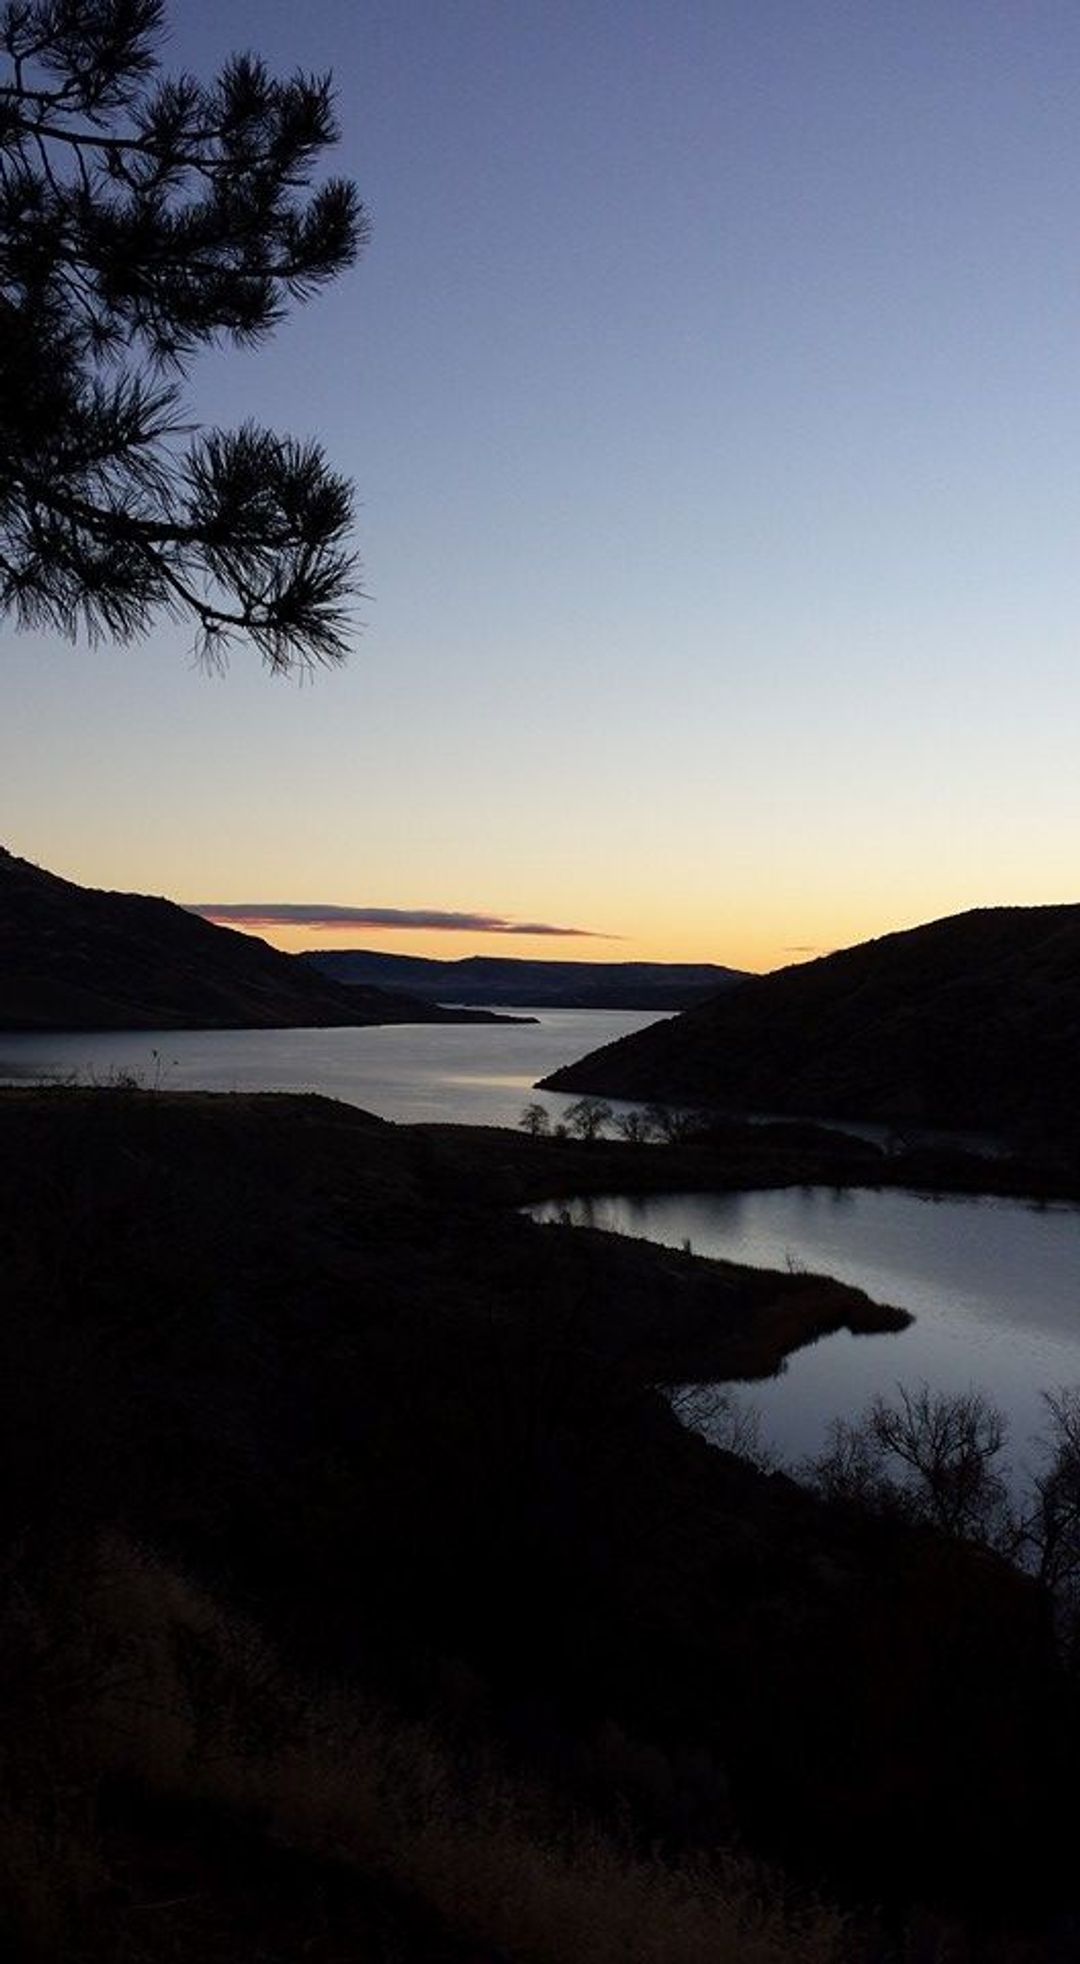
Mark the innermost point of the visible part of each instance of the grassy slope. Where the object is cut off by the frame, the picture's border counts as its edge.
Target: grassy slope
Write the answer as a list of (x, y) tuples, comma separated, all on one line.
[(313, 1360)]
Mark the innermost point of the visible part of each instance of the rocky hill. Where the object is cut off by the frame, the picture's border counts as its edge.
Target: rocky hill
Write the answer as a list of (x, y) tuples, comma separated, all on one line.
[(512, 982), (76, 958), (972, 1021)]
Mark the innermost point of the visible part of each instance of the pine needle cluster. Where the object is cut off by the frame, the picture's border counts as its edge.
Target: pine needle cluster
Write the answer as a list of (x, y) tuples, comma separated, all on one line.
[(144, 218)]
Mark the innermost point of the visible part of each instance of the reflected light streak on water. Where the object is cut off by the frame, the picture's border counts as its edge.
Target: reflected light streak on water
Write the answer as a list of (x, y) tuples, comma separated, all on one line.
[(448, 1073)]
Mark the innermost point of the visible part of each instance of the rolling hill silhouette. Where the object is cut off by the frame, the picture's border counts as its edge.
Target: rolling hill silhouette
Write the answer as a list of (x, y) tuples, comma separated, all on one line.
[(512, 982), (77, 958), (972, 1021)]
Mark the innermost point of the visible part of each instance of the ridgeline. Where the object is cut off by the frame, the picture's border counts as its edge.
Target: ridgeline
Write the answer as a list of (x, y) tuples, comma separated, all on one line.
[(511, 982), (77, 958), (972, 1022)]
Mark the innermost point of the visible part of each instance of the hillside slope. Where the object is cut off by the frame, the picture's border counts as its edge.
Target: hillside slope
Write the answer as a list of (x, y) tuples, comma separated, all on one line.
[(321, 1366), (972, 1021), (76, 958)]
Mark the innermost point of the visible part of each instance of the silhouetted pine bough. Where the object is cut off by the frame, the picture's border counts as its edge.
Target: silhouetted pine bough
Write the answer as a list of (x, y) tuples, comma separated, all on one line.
[(387, 1436), (142, 219)]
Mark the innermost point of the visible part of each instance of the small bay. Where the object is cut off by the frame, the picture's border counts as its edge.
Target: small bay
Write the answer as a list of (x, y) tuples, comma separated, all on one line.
[(994, 1286)]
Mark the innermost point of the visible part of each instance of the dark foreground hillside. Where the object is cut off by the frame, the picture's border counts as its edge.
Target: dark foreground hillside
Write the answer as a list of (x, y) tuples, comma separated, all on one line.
[(363, 1598), (971, 1022), (74, 958)]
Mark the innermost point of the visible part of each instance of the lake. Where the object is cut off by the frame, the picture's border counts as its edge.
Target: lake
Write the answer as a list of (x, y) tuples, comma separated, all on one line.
[(994, 1286), (451, 1073)]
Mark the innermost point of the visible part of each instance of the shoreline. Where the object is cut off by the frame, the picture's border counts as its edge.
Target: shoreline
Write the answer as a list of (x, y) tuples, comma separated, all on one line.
[(743, 1158)]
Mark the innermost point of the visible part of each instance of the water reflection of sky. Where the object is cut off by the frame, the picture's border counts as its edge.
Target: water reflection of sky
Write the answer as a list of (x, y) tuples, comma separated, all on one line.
[(450, 1073), (994, 1286)]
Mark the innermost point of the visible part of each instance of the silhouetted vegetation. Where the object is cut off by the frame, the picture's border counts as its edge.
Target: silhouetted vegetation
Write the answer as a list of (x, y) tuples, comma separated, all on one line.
[(928, 1456), (936, 1458), (586, 1118), (142, 219), (634, 1126), (302, 1820), (536, 1121)]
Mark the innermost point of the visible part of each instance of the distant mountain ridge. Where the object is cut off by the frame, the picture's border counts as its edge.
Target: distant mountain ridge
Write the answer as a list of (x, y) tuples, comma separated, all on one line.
[(972, 1021), (515, 982), (78, 958)]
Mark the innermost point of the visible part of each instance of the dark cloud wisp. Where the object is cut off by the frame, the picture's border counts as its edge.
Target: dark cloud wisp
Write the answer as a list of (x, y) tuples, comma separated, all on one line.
[(274, 913)]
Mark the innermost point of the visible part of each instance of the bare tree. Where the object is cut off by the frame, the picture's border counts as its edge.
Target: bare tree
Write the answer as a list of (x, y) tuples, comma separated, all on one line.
[(725, 1420), (635, 1127), (852, 1468), (1052, 1525), (947, 1445), (667, 1122), (536, 1121), (586, 1118), (930, 1455), (1057, 1489)]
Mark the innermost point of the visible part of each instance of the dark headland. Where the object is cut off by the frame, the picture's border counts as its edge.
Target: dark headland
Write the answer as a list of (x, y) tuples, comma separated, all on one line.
[(971, 1022), (77, 958)]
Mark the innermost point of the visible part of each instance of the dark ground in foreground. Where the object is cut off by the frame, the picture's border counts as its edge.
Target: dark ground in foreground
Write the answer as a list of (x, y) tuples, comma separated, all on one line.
[(382, 1491)]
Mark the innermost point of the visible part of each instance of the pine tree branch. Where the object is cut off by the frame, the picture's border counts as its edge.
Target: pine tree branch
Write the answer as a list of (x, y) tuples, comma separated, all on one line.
[(140, 220)]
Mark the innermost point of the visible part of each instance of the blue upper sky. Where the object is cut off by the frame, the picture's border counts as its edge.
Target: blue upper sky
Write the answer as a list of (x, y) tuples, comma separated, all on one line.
[(712, 390)]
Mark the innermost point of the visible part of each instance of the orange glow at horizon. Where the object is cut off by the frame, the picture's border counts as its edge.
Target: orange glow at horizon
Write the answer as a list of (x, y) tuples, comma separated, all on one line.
[(755, 941), (756, 953)]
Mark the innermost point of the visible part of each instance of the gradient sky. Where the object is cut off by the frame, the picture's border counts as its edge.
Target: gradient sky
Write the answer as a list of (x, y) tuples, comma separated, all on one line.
[(711, 387)]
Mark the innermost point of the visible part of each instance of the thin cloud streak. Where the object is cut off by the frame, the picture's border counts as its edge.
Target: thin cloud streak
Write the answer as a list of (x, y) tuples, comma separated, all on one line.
[(257, 914)]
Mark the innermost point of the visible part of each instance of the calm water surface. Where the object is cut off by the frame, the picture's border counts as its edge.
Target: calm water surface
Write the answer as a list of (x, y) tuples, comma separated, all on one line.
[(454, 1073), (994, 1286)]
